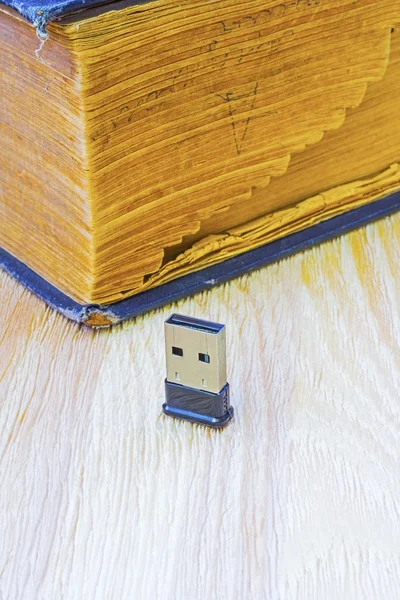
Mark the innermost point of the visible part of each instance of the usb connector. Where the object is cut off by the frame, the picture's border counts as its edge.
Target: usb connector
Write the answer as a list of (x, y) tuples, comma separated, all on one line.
[(196, 385), (196, 353)]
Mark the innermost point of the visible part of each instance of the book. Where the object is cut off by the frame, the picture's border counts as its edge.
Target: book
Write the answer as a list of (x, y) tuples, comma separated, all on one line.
[(143, 143)]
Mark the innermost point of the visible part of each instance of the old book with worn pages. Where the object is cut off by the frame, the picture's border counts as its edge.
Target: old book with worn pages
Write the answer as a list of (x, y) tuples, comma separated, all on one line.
[(151, 149)]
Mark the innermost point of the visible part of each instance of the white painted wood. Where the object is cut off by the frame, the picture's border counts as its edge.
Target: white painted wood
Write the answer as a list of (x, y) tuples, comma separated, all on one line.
[(103, 498)]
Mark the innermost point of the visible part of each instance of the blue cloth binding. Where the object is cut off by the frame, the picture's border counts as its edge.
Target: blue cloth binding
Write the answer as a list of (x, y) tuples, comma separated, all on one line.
[(41, 12)]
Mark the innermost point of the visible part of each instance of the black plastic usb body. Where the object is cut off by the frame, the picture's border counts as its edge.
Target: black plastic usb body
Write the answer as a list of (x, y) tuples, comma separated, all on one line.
[(196, 389)]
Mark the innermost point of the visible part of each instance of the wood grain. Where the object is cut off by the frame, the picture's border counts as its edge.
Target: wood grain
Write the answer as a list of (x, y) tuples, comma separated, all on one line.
[(103, 497)]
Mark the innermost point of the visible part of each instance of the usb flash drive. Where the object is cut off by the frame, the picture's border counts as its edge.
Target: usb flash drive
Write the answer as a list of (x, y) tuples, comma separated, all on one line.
[(196, 388)]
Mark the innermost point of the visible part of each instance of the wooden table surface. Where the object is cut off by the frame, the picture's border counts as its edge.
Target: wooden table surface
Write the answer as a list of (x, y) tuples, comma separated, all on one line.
[(299, 498)]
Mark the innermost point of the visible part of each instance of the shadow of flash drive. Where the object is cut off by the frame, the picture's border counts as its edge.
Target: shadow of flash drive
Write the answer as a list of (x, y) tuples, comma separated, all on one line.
[(196, 388)]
